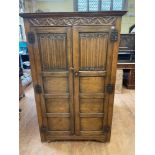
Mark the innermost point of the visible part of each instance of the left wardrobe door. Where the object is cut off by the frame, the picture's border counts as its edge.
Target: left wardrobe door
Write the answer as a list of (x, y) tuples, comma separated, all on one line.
[(52, 50)]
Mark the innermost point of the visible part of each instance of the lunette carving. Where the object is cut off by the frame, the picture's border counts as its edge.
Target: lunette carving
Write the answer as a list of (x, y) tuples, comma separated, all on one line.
[(69, 21)]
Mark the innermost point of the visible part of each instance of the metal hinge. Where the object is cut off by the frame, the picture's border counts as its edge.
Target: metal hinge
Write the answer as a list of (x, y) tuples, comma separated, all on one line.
[(38, 89), (109, 88), (43, 129), (106, 129), (31, 37), (114, 35)]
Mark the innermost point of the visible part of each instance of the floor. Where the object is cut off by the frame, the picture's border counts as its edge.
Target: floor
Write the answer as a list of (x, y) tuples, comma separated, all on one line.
[(122, 139)]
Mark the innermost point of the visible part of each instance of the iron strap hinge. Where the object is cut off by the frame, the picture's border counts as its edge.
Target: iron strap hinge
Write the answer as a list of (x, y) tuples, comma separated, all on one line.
[(31, 37), (43, 129), (109, 88), (38, 89), (106, 129), (114, 35)]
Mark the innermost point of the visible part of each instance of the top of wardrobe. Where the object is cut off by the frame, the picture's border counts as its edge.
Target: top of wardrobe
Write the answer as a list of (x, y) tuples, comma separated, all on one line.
[(72, 14)]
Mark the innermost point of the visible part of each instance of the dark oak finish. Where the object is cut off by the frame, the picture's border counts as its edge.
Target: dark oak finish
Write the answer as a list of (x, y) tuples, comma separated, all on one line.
[(73, 60)]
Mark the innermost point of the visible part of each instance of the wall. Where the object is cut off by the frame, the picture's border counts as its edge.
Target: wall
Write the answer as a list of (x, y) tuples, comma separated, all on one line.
[(56, 6), (129, 19), (21, 22), (49, 5), (67, 6)]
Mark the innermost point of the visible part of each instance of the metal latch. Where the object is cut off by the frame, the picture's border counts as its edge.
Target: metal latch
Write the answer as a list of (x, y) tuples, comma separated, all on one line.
[(106, 129), (31, 37), (43, 129), (109, 88), (114, 34), (38, 89)]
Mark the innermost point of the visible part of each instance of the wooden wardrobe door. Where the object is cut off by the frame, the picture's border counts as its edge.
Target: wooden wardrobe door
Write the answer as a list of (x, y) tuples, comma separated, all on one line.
[(92, 58), (53, 58)]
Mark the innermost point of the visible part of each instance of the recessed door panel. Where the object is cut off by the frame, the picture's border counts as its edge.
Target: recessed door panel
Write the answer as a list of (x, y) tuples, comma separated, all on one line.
[(91, 105), (59, 124), (57, 105), (91, 124), (87, 83), (56, 84)]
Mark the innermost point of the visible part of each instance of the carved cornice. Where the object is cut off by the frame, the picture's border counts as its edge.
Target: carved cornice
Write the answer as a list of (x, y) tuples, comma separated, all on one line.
[(69, 21)]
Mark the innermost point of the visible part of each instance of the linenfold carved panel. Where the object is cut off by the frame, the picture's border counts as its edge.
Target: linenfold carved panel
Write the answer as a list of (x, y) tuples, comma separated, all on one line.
[(53, 51), (93, 50), (69, 21)]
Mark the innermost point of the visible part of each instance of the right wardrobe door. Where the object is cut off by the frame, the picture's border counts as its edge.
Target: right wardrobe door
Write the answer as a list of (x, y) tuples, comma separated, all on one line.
[(92, 60)]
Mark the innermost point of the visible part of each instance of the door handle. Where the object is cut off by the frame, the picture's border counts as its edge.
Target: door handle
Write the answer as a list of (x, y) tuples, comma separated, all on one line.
[(76, 73), (71, 68)]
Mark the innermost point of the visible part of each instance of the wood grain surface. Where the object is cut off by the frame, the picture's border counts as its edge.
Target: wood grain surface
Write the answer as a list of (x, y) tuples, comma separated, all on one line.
[(75, 59)]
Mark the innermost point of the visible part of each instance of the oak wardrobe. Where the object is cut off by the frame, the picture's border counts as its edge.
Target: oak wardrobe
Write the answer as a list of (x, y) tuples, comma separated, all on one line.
[(73, 61)]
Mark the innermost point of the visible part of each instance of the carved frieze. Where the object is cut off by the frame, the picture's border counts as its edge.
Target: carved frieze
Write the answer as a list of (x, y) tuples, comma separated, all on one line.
[(69, 21)]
